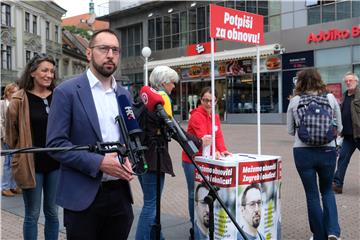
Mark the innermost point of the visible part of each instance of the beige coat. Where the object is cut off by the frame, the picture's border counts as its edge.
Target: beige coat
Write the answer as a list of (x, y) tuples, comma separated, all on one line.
[(18, 135)]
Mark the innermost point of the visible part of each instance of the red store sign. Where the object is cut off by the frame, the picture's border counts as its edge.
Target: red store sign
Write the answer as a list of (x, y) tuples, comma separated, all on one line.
[(200, 48), (334, 34)]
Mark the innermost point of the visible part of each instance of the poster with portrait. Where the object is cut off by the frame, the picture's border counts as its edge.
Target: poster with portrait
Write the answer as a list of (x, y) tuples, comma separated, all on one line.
[(221, 174), (249, 185), (258, 206)]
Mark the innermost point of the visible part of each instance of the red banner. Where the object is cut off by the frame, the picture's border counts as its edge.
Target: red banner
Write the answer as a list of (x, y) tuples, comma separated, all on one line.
[(220, 176), (256, 172), (234, 25)]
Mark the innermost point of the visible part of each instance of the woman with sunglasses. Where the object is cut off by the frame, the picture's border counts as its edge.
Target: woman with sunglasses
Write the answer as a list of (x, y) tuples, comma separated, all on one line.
[(200, 126), (26, 124)]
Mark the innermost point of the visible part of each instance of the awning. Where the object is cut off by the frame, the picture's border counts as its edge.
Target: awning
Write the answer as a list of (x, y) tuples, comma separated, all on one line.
[(219, 56)]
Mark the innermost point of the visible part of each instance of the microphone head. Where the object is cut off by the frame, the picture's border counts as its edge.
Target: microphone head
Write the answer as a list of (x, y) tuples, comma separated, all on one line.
[(150, 97), (127, 113), (167, 103)]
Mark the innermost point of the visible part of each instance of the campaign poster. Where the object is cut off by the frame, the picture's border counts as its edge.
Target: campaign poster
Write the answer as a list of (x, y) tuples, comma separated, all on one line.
[(224, 178), (234, 25), (258, 206)]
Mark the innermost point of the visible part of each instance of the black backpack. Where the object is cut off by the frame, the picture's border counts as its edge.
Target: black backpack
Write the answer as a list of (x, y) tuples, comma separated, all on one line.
[(317, 125)]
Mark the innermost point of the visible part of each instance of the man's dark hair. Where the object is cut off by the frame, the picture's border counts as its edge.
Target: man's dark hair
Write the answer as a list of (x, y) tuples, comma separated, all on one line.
[(107, 30), (201, 185), (243, 198)]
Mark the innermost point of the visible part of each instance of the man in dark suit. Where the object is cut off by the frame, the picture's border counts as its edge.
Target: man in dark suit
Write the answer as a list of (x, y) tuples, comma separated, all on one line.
[(93, 188)]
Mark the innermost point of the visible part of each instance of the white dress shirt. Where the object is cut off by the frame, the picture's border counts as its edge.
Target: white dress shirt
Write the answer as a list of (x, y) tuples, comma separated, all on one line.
[(107, 110)]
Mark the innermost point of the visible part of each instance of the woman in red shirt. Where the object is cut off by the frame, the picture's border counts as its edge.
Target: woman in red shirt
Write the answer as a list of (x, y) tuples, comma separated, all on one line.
[(200, 126)]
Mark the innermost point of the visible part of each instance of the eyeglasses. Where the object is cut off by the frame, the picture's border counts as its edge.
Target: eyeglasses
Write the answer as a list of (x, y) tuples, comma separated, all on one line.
[(47, 107), (253, 204), (105, 49), (206, 100)]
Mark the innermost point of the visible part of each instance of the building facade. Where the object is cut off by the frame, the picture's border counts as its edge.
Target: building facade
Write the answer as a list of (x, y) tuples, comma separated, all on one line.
[(28, 28), (298, 35)]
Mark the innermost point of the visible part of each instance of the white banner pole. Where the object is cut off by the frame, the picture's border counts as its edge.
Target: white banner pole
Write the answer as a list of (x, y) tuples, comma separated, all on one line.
[(258, 98), (213, 98)]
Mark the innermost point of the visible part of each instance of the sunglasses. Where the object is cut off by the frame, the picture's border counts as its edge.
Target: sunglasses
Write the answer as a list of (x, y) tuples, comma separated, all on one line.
[(47, 107), (41, 57)]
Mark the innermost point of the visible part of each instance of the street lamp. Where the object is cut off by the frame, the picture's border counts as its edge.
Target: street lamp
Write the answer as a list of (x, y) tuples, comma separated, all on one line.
[(146, 52)]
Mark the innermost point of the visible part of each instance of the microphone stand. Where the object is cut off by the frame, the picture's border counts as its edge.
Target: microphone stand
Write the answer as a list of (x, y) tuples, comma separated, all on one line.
[(160, 148), (213, 195)]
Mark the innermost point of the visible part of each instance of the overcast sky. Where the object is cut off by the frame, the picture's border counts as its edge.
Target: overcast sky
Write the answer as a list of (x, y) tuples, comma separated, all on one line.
[(77, 7)]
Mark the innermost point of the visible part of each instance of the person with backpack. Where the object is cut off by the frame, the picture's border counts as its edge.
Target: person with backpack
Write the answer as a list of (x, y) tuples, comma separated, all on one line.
[(314, 118), (350, 112)]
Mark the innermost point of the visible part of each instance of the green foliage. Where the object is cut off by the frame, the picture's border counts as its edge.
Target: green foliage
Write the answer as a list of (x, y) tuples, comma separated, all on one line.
[(82, 32)]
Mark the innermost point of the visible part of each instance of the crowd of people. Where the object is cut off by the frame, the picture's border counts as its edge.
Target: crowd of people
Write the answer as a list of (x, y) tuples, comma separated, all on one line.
[(93, 187)]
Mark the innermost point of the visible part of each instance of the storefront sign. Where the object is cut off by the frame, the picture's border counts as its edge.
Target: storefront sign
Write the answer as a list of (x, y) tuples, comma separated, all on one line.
[(234, 25), (200, 48), (334, 34), (271, 63), (228, 68), (298, 60)]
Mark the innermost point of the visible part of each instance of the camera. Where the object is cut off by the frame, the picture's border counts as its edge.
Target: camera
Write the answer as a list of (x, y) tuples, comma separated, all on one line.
[(278, 49)]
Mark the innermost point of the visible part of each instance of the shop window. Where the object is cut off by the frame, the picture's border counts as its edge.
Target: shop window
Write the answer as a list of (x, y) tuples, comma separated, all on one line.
[(251, 6), (334, 74)]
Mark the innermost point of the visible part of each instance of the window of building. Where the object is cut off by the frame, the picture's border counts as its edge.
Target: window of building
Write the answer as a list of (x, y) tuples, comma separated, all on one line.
[(27, 56), (56, 33), (327, 11), (343, 10), (356, 8), (27, 22), (5, 14), (6, 57), (47, 30), (34, 24), (131, 41)]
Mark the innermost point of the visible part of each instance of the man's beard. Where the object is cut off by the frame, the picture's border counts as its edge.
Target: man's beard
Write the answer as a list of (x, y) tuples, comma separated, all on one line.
[(256, 222), (103, 70)]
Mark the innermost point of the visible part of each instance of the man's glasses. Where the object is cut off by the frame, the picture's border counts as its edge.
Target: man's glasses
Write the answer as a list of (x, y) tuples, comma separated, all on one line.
[(206, 100), (47, 107), (105, 49), (253, 204)]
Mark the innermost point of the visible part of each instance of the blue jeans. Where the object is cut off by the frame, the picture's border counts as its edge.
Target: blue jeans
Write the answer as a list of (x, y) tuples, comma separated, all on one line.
[(8, 181), (318, 164), (189, 170), (46, 182), (347, 149), (145, 230)]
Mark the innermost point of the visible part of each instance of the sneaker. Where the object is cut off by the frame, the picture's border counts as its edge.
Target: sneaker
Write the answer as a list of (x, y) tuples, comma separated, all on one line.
[(333, 237), (7, 193), (336, 189), (311, 238)]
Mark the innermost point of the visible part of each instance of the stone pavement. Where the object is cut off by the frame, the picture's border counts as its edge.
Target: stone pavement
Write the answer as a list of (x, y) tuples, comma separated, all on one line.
[(238, 138)]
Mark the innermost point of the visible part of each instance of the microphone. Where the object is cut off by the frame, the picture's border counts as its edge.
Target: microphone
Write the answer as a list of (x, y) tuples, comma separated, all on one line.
[(154, 102), (131, 133)]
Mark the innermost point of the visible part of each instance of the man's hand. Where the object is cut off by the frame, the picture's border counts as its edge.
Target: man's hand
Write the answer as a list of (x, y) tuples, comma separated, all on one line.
[(111, 165)]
